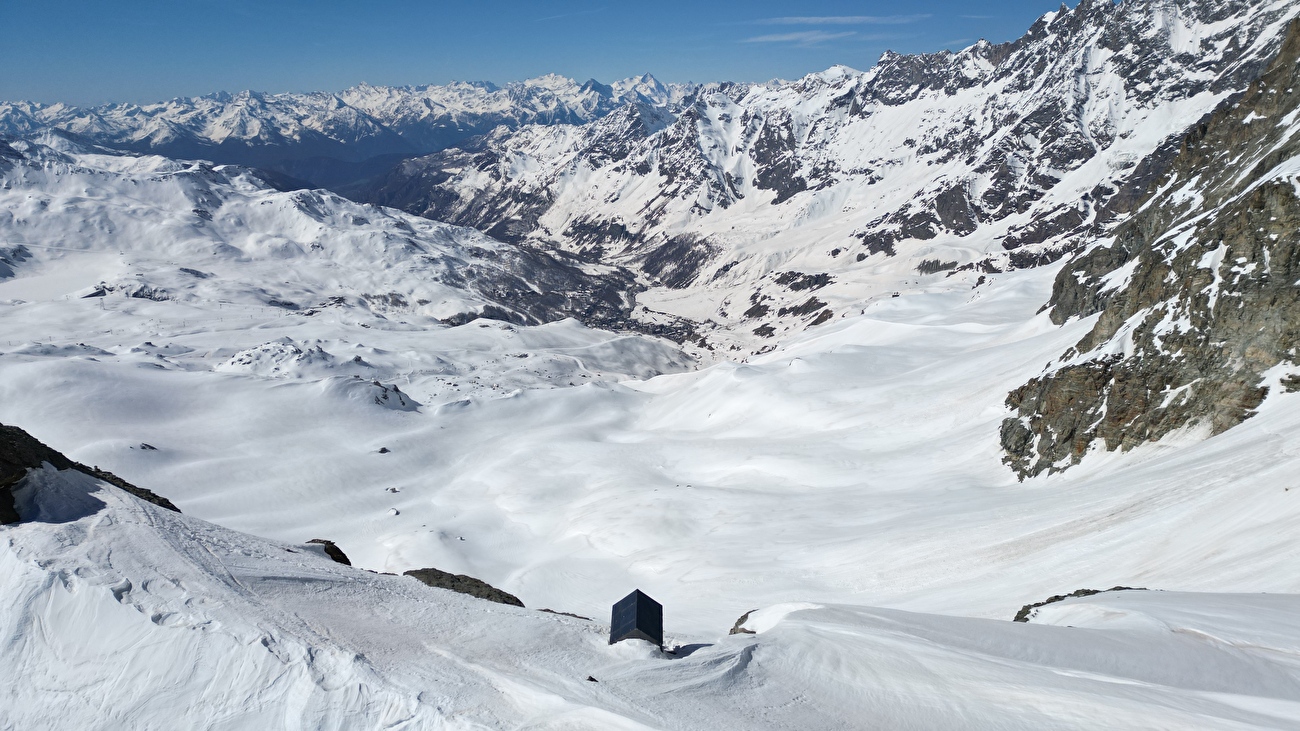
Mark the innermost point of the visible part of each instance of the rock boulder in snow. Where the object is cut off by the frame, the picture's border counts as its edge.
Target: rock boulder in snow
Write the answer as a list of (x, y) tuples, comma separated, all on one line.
[(464, 585)]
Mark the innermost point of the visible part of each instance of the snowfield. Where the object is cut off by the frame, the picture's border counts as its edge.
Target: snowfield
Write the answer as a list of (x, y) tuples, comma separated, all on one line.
[(857, 465), (121, 614)]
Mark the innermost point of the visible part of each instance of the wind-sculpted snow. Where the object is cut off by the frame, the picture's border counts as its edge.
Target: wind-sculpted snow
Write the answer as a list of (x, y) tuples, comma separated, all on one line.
[(330, 139), (217, 629), (994, 157)]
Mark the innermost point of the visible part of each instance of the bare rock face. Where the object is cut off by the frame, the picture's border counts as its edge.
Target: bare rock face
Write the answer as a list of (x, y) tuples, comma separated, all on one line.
[(1196, 294), (1028, 611)]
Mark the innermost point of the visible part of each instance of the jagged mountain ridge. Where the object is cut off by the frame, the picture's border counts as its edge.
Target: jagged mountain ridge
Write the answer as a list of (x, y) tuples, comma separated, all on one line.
[(853, 184), (1198, 312), (332, 138)]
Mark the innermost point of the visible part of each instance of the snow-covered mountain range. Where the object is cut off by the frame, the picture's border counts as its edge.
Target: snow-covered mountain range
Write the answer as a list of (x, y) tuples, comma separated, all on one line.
[(1195, 295), (759, 209), (331, 138), (771, 353)]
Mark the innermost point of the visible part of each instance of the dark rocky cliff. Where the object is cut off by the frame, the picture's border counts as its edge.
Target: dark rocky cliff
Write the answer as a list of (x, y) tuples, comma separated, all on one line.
[(1196, 293)]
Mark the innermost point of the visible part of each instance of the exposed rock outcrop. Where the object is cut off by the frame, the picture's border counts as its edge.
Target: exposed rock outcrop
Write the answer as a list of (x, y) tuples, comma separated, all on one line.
[(739, 627), (332, 550), (464, 585), (20, 452), (1029, 610), (1196, 293)]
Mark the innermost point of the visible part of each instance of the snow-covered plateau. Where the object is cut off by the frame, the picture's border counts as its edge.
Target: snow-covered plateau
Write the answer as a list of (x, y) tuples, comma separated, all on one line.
[(830, 512)]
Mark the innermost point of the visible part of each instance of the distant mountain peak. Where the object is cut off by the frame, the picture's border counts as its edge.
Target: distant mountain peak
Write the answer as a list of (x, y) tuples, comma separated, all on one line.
[(330, 138)]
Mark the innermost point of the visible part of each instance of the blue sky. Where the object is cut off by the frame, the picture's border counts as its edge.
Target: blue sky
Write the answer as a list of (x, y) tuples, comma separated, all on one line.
[(91, 51)]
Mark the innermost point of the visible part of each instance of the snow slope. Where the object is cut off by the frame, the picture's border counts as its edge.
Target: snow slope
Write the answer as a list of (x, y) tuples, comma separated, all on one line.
[(858, 465), (87, 224), (158, 620)]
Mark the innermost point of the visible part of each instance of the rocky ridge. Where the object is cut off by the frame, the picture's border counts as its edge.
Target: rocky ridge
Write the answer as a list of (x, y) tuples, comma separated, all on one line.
[(1196, 295), (20, 452)]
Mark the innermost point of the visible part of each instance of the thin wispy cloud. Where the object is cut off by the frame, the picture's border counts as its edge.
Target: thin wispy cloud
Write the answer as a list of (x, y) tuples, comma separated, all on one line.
[(877, 37), (570, 15), (802, 38), (843, 20)]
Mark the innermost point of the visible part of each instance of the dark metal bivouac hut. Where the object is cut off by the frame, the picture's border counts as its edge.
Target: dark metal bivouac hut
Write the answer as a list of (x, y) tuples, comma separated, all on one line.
[(637, 616)]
